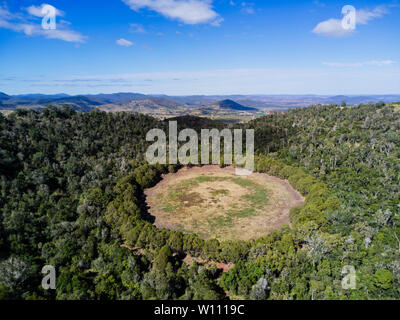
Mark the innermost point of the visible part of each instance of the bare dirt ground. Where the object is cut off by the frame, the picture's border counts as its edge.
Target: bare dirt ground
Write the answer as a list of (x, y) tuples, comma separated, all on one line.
[(213, 202)]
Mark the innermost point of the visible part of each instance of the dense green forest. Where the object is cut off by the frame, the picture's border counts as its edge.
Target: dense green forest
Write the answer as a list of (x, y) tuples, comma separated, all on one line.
[(72, 196)]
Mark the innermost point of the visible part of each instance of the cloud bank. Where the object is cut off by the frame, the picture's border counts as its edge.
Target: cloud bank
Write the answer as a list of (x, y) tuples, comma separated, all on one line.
[(376, 63), (231, 81)]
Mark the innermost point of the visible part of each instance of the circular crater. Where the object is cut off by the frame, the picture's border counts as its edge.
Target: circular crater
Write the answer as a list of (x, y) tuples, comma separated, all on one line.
[(214, 202)]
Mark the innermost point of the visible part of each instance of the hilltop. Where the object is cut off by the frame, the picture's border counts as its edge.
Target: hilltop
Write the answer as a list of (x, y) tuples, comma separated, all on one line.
[(3, 96), (232, 105), (147, 105)]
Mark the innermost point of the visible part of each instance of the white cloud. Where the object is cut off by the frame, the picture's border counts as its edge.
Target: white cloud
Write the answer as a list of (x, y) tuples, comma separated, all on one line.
[(124, 43), (137, 28), (18, 23), (377, 63), (364, 16), (66, 35), (187, 11), (37, 11), (4, 13), (333, 27)]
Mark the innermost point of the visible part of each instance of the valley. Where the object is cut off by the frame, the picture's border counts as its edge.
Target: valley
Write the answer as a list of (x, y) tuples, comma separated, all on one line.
[(229, 109), (215, 203)]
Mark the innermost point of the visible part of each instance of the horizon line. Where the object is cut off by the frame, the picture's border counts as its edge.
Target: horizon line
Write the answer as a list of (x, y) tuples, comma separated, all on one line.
[(209, 95)]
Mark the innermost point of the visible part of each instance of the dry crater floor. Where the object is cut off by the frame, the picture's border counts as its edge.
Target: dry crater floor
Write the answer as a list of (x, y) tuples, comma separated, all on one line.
[(214, 202)]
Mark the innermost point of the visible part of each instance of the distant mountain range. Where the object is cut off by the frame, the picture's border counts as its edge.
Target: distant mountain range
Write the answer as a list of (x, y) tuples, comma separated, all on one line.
[(144, 104), (135, 102)]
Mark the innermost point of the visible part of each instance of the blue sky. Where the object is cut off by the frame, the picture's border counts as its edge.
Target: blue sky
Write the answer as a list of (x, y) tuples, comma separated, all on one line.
[(181, 47)]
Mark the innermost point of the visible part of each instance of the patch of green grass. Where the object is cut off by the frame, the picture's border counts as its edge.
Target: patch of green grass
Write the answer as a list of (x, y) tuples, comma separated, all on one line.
[(175, 195), (258, 197), (187, 184), (182, 188), (243, 213), (243, 182), (220, 222), (169, 208), (206, 179), (221, 192)]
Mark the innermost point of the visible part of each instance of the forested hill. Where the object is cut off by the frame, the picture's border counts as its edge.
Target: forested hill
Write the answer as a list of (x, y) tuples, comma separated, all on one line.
[(232, 105), (72, 184), (356, 152)]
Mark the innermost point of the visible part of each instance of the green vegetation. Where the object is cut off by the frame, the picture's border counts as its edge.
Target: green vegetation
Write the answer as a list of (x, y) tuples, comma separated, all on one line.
[(72, 184), (221, 192)]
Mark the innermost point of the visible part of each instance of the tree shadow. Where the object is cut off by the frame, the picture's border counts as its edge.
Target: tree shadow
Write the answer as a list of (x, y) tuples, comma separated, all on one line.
[(144, 208)]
